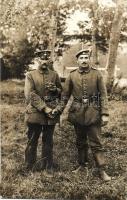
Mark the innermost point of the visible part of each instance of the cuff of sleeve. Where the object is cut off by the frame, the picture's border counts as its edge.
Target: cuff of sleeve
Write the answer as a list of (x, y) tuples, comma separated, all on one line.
[(43, 108), (104, 114)]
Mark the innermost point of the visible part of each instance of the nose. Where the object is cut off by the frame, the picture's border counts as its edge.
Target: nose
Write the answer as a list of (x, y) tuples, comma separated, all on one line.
[(85, 60)]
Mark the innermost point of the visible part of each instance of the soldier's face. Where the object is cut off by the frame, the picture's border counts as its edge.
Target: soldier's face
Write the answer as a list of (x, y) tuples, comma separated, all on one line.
[(44, 65), (83, 60)]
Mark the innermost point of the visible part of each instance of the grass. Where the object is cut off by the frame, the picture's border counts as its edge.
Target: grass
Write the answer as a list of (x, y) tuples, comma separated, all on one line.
[(12, 91), (65, 184)]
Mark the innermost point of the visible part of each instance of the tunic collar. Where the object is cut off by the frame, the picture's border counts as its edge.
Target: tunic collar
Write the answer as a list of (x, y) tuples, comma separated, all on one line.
[(43, 71), (81, 70)]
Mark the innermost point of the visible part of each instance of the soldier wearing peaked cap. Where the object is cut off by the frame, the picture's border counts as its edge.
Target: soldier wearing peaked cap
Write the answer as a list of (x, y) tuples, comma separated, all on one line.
[(44, 54), (88, 111), (86, 51), (42, 92)]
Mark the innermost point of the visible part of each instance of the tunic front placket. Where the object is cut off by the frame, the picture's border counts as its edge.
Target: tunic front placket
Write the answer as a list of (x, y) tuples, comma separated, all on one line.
[(46, 82), (84, 87)]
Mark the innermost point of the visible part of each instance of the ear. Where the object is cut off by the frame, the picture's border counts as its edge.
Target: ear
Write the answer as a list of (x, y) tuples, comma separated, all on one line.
[(90, 54), (90, 58)]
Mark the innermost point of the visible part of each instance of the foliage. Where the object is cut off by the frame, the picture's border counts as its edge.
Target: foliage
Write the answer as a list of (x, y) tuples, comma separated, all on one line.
[(26, 26), (105, 15), (23, 29)]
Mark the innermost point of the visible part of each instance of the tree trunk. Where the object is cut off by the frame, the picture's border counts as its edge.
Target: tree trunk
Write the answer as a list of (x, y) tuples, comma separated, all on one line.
[(53, 29), (113, 45), (94, 33)]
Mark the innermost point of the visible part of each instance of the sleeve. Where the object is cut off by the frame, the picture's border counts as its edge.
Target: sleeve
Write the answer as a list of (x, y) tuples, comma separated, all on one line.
[(58, 84), (103, 95), (66, 93), (30, 94)]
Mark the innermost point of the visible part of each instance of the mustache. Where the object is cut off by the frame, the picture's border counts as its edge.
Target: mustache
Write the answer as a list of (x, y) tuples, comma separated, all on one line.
[(84, 62)]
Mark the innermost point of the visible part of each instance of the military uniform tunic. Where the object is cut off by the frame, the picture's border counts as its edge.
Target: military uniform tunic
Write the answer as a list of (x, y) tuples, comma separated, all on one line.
[(89, 94), (38, 96)]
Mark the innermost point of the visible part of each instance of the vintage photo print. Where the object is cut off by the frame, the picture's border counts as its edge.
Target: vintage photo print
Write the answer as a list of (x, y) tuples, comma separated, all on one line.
[(63, 66)]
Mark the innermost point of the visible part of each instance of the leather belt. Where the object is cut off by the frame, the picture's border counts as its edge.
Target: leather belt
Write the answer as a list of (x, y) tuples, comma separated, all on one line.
[(83, 100)]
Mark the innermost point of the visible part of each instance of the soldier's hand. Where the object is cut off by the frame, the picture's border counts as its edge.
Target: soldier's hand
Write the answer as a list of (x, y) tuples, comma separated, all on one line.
[(104, 120), (55, 112), (51, 87), (47, 110)]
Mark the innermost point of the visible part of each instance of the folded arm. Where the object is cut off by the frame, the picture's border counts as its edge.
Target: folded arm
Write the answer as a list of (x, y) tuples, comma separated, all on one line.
[(31, 95)]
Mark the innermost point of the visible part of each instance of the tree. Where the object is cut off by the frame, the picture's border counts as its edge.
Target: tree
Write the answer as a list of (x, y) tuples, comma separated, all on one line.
[(24, 27), (28, 25), (95, 32), (113, 44), (53, 30)]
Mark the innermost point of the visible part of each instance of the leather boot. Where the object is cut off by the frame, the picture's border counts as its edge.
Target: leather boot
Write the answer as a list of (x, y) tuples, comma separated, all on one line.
[(104, 176), (82, 161), (86, 156), (44, 158), (99, 158), (82, 157), (30, 156), (48, 173), (80, 168)]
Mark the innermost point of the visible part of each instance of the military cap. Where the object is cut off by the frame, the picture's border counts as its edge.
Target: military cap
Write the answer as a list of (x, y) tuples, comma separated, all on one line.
[(43, 54), (85, 51)]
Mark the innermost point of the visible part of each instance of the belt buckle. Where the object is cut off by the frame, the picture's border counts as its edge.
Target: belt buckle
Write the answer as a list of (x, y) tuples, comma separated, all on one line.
[(85, 100)]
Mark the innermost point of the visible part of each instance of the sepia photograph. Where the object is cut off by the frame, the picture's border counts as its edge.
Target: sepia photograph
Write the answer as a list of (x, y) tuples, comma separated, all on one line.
[(63, 99)]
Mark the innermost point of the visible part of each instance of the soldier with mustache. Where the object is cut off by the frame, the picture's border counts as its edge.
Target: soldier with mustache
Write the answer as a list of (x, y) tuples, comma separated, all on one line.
[(89, 110), (42, 93)]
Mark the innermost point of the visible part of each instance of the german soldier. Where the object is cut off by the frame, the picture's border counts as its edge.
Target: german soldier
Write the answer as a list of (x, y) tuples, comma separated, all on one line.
[(88, 111), (42, 93)]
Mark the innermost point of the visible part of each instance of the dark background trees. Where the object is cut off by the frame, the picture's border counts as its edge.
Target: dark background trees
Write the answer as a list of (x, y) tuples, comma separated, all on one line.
[(26, 26)]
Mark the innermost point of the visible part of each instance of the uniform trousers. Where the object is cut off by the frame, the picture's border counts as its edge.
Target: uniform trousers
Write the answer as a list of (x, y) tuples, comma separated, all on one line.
[(89, 136), (33, 133)]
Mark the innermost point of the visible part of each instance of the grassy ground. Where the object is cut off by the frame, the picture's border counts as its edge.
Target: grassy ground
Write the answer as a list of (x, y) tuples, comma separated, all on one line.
[(64, 185)]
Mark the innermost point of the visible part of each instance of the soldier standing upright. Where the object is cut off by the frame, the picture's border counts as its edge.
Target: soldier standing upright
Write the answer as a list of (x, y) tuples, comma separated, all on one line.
[(42, 93), (88, 111)]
